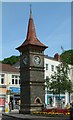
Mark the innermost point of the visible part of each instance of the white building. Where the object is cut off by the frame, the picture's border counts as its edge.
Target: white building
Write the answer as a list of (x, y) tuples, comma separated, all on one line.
[(50, 65), (9, 85)]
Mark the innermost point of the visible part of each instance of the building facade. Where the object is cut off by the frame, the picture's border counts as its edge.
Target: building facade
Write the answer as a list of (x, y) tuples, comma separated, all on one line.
[(9, 86), (50, 65)]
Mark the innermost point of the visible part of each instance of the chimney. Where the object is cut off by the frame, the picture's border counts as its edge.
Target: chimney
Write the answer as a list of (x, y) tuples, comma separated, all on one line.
[(57, 57)]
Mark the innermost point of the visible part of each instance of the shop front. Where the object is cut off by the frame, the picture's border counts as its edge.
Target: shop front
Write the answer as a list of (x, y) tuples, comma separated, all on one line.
[(52, 100), (2, 98), (15, 97)]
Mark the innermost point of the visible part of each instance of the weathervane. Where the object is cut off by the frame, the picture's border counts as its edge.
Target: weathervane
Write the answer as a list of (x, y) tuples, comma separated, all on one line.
[(30, 11)]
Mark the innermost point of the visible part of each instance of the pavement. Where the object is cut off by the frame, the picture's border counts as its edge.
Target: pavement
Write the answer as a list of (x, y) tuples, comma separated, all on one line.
[(14, 111), (0, 116), (15, 115)]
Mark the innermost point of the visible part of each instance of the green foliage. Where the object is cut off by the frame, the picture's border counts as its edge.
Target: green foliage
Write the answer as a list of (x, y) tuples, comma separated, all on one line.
[(67, 57), (59, 81), (11, 60), (47, 81)]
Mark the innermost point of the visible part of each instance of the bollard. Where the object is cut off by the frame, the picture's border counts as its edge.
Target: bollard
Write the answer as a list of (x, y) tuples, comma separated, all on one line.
[(71, 112)]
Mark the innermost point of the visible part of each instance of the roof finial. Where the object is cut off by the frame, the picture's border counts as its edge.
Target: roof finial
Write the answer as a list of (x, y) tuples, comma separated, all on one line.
[(30, 11)]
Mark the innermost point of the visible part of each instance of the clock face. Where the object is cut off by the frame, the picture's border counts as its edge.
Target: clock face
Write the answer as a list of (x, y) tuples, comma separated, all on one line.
[(37, 60), (25, 60)]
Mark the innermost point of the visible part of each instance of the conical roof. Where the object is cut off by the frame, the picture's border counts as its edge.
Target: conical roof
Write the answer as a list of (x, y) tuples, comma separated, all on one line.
[(31, 38)]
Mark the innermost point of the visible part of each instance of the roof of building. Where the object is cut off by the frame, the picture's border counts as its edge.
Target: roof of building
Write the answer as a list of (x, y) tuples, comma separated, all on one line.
[(17, 64), (51, 58), (31, 38), (8, 68)]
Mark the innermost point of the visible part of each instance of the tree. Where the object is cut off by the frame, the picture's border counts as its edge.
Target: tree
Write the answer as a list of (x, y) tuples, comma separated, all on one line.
[(69, 55), (62, 81), (59, 81), (11, 60)]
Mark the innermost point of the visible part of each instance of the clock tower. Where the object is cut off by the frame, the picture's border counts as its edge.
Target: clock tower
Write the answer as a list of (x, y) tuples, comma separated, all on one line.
[(31, 71)]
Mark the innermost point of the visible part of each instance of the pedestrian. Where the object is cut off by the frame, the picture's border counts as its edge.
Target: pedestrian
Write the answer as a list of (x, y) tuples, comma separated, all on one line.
[(10, 106), (50, 101), (19, 104)]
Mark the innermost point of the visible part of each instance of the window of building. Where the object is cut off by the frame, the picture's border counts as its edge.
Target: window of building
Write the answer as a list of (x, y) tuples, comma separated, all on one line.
[(19, 81), (12, 81), (1, 78), (12, 76), (16, 76), (52, 67), (15, 79), (56, 67), (46, 66), (47, 77)]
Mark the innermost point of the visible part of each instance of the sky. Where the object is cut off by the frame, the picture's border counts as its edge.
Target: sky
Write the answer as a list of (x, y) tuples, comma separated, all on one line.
[(52, 22)]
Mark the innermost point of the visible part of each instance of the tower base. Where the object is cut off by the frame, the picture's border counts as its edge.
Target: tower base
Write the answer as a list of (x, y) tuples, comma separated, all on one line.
[(29, 109)]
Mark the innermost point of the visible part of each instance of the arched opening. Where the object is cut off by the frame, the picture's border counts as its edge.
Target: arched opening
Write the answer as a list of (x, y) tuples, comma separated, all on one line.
[(37, 100)]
